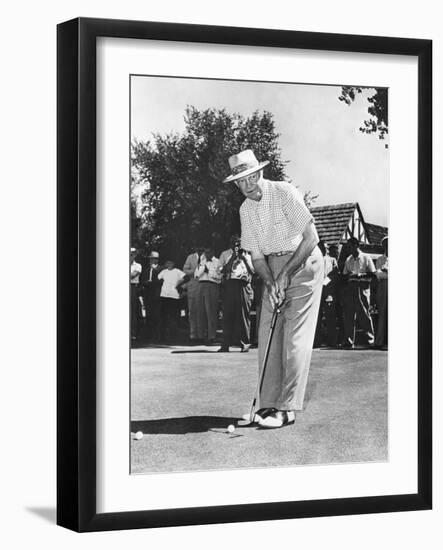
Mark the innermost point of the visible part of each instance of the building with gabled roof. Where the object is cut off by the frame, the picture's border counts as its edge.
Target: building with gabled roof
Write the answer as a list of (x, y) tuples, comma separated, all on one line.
[(336, 223), (376, 233)]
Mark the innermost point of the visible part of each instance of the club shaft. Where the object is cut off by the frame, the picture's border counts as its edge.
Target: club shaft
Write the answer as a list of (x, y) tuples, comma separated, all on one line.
[(265, 360)]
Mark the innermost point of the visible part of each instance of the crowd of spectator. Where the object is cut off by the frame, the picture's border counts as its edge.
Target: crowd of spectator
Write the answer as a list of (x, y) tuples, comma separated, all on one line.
[(204, 288), (355, 293)]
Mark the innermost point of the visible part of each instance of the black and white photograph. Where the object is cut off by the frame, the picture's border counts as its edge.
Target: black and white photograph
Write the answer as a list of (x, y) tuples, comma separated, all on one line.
[(207, 209), (258, 274)]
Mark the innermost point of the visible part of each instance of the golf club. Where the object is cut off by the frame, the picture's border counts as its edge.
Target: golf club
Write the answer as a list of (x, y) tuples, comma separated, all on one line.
[(250, 420)]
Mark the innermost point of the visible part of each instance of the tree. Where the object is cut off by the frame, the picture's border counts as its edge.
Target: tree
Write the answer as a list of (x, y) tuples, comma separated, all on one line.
[(378, 109), (185, 201)]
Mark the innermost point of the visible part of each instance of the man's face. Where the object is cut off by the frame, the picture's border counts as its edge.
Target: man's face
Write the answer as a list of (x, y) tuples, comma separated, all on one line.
[(250, 186), (153, 261), (353, 247)]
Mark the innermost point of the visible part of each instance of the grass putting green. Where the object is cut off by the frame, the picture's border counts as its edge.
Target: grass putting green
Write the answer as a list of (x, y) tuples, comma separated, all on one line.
[(184, 398)]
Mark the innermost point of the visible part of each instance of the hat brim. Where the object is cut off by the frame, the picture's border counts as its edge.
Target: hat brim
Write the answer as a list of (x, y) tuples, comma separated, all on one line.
[(234, 177)]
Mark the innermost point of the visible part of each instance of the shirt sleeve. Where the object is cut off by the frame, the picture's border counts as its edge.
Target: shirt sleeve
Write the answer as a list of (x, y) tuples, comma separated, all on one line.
[(161, 275), (380, 265), (346, 269), (249, 240), (248, 260), (224, 258), (294, 207), (370, 265), (187, 268)]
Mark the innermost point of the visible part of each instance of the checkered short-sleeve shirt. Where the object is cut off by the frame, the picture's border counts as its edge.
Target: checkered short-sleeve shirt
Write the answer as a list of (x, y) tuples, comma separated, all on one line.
[(276, 222)]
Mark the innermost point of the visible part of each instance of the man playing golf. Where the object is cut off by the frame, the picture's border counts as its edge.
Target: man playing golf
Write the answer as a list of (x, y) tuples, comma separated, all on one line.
[(278, 231)]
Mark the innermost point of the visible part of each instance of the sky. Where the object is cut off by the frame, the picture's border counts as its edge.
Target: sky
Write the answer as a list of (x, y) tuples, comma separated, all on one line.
[(319, 135)]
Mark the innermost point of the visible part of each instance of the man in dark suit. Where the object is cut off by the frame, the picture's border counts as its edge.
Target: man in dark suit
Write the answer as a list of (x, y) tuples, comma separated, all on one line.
[(359, 270), (151, 293), (237, 270), (327, 332)]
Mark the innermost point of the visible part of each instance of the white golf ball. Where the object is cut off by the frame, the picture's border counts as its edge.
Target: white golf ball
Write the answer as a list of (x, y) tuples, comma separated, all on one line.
[(231, 429), (139, 435)]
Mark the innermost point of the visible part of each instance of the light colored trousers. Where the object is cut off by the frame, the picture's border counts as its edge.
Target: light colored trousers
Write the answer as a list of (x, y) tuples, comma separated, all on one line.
[(195, 309), (287, 370)]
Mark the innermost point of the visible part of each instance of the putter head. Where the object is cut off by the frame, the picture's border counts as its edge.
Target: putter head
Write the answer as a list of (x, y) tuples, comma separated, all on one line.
[(248, 420), (243, 423)]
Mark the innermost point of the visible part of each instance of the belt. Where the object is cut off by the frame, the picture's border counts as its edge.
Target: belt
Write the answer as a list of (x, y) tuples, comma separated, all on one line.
[(283, 253)]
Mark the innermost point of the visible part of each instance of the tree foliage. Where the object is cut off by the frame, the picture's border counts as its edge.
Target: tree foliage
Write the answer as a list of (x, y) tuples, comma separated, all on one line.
[(378, 109), (184, 201)]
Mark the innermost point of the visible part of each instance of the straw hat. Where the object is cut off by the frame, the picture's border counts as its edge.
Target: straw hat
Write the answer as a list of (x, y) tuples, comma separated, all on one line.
[(243, 164)]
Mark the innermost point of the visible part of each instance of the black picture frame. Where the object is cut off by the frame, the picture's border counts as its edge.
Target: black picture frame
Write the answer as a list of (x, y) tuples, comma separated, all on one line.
[(77, 249)]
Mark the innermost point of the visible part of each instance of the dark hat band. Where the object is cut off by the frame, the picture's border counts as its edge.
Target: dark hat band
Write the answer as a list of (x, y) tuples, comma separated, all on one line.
[(243, 167)]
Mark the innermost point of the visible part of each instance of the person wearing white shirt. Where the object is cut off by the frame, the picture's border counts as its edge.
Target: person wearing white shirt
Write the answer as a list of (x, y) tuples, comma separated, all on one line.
[(278, 231), (135, 271), (169, 296), (359, 269), (150, 286), (209, 277), (382, 266)]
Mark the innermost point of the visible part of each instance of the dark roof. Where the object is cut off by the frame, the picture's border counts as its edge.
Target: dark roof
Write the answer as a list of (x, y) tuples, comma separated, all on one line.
[(332, 221), (376, 233)]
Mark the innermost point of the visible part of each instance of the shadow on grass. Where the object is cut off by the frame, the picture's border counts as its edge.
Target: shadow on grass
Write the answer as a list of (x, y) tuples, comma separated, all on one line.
[(165, 346), (184, 425), (194, 351), (141, 344)]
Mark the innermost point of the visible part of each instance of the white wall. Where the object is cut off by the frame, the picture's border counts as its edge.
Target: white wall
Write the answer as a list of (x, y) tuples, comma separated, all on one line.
[(27, 229)]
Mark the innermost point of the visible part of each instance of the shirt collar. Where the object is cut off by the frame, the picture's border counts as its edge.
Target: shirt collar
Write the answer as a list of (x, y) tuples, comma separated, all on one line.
[(265, 198)]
